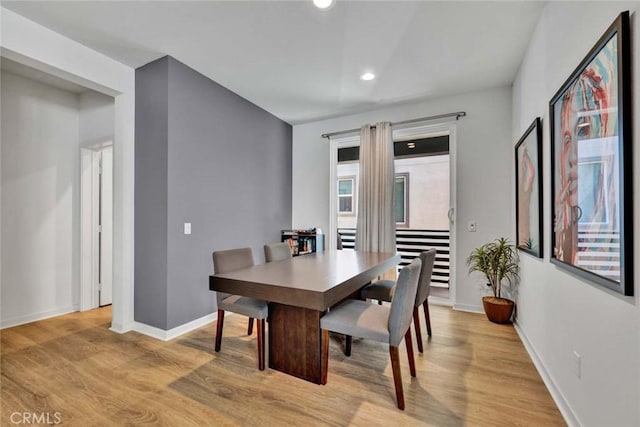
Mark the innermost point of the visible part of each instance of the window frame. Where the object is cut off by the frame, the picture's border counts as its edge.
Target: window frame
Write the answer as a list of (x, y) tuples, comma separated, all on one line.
[(353, 210), (405, 177)]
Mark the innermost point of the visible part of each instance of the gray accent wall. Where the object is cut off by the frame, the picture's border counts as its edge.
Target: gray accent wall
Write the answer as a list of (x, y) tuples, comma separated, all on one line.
[(151, 158), (227, 172)]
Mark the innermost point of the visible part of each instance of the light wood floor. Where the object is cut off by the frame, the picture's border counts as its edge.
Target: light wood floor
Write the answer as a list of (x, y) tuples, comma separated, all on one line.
[(472, 373)]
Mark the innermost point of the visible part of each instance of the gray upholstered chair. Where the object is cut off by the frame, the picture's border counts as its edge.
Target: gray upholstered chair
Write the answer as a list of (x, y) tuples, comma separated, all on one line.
[(379, 323), (382, 290), (277, 252), (225, 262)]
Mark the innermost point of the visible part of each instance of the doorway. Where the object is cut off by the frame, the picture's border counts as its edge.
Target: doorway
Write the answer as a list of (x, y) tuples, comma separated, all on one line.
[(425, 202), (97, 226)]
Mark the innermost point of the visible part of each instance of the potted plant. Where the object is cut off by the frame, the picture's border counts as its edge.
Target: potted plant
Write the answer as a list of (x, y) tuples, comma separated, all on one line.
[(498, 262)]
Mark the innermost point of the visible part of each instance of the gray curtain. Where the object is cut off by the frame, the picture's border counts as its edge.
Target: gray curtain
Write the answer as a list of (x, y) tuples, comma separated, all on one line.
[(376, 229)]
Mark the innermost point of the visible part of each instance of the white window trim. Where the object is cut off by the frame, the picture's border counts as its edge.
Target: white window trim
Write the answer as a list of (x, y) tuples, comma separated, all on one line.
[(405, 177)]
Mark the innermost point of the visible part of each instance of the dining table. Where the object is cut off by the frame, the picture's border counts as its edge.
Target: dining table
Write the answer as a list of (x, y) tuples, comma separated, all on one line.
[(300, 290)]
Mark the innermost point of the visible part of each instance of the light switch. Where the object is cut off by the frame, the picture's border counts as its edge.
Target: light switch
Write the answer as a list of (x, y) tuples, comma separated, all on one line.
[(187, 228)]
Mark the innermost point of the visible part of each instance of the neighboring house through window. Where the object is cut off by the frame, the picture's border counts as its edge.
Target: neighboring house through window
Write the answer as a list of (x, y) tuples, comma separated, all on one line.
[(346, 202)]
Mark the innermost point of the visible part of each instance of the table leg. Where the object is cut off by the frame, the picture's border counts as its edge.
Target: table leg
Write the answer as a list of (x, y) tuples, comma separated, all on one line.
[(295, 341)]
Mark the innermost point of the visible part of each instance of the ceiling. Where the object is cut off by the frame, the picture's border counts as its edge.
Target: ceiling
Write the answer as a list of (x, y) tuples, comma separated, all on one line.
[(301, 63)]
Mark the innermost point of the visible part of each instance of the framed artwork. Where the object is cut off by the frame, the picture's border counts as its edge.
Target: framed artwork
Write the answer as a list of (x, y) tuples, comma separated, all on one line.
[(529, 190), (591, 176)]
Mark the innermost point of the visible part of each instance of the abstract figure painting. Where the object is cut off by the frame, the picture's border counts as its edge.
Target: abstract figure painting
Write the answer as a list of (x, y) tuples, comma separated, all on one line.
[(591, 165), (529, 190)]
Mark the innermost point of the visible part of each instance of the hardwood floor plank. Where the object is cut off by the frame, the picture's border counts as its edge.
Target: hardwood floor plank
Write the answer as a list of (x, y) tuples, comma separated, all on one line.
[(472, 373)]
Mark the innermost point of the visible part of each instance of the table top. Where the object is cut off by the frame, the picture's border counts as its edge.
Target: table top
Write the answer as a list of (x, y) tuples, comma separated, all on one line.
[(315, 281)]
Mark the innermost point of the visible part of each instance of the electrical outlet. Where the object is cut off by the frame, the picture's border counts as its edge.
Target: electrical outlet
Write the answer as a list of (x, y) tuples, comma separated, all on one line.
[(577, 364), (187, 228), (471, 226)]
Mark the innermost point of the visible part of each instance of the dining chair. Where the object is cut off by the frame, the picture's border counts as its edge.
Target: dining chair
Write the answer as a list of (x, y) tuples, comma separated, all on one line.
[(382, 290), (277, 252), (380, 323), (225, 262)]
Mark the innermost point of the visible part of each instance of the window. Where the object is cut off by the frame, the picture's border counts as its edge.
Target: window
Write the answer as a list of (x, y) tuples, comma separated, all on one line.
[(402, 199), (346, 203)]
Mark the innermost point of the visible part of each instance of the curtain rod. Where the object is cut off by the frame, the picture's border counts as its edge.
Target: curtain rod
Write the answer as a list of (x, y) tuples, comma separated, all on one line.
[(457, 115)]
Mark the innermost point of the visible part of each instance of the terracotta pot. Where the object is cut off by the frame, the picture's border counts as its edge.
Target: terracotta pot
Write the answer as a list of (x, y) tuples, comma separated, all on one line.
[(498, 310)]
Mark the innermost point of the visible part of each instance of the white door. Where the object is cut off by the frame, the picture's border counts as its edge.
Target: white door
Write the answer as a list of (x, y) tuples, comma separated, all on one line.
[(106, 227)]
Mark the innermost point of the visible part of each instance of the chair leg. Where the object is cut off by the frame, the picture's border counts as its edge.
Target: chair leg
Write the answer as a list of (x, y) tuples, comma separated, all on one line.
[(425, 305), (219, 329), (324, 361), (412, 361), (250, 326), (347, 346), (261, 344), (397, 377), (416, 324)]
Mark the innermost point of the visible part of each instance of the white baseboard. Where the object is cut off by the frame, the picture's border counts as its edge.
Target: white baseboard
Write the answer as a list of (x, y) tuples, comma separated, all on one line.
[(121, 329), (440, 301), (163, 335), (565, 409), (468, 307), (33, 317)]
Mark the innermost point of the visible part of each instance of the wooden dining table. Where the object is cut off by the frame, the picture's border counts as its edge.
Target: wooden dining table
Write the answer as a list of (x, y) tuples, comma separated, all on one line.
[(299, 291)]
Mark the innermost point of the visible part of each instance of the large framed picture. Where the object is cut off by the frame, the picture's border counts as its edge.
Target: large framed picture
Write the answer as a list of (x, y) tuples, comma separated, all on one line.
[(591, 176), (528, 153)]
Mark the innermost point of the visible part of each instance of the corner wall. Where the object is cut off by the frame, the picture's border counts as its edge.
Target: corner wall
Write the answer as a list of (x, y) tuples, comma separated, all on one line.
[(152, 140), (483, 156), (559, 313), (227, 171)]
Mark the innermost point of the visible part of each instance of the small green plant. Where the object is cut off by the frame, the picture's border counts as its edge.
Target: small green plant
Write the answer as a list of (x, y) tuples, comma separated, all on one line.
[(498, 262)]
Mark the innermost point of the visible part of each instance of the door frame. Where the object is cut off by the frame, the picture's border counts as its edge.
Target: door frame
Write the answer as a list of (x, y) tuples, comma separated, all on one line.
[(89, 207), (449, 128), (335, 144)]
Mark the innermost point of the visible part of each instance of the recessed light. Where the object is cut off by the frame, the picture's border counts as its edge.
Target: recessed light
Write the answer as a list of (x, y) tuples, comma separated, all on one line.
[(367, 76), (323, 4)]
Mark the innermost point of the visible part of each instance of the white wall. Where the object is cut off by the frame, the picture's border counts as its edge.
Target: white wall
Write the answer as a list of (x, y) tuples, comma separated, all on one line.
[(29, 43), (40, 200), (559, 313), (484, 155), (96, 119)]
